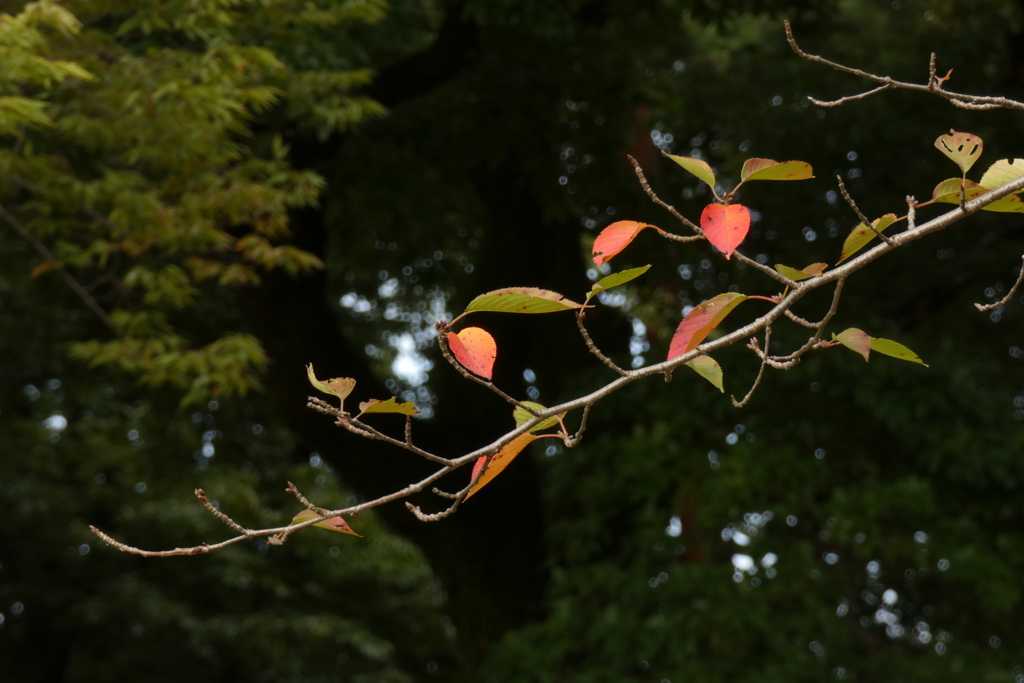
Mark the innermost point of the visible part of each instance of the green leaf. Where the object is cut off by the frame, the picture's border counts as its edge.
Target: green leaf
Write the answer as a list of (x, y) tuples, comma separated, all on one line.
[(855, 340), (1002, 172), (813, 270), (700, 321), (862, 235), (334, 524), (963, 148), (389, 406), (895, 349), (708, 368), (339, 386), (696, 167), (616, 279), (522, 416), (498, 462), (948, 192), (522, 300), (769, 169)]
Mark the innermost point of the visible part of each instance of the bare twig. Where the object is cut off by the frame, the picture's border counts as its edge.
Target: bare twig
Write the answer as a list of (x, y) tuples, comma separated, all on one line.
[(1009, 295), (911, 212), (574, 440), (215, 511), (860, 214), (580, 314), (45, 252), (962, 100), (760, 372), (668, 207), (294, 490)]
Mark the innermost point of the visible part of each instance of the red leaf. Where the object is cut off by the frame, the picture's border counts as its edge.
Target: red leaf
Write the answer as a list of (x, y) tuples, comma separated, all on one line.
[(725, 226), (475, 350), (499, 461), (699, 322), (615, 238)]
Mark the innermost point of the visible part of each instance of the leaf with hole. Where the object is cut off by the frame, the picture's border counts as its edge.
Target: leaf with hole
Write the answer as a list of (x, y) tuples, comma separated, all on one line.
[(696, 167), (708, 368), (862, 235), (616, 279), (725, 226), (769, 169), (699, 322), (475, 349), (948, 192), (855, 340), (522, 416), (962, 148), (895, 349), (813, 270), (498, 462), (375, 405), (615, 238), (339, 386), (522, 300), (334, 524)]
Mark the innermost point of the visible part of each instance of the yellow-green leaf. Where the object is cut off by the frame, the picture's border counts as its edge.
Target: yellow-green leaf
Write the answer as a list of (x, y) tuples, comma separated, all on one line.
[(389, 406), (696, 167), (339, 386), (962, 148), (813, 270), (708, 368), (522, 416), (862, 235)]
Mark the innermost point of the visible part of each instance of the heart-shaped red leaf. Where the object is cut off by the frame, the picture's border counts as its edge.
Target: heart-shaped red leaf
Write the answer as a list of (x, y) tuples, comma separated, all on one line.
[(475, 350), (615, 238), (725, 226)]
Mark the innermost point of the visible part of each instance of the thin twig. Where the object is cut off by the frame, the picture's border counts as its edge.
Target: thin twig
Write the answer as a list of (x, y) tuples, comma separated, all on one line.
[(294, 490), (801, 321), (668, 207), (962, 100), (362, 429), (827, 104), (44, 251), (573, 440), (580, 314), (760, 372), (1006, 299), (911, 212), (215, 511), (860, 214)]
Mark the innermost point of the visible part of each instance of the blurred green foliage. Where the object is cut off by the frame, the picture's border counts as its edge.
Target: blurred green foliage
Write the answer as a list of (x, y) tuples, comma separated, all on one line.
[(191, 163)]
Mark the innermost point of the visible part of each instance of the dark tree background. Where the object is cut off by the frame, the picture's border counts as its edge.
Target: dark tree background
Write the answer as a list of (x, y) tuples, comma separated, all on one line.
[(852, 522)]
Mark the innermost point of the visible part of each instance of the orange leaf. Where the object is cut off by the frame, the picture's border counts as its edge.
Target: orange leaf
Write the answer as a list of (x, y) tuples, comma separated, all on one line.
[(44, 267), (499, 461), (615, 238), (725, 226), (699, 322), (475, 350)]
